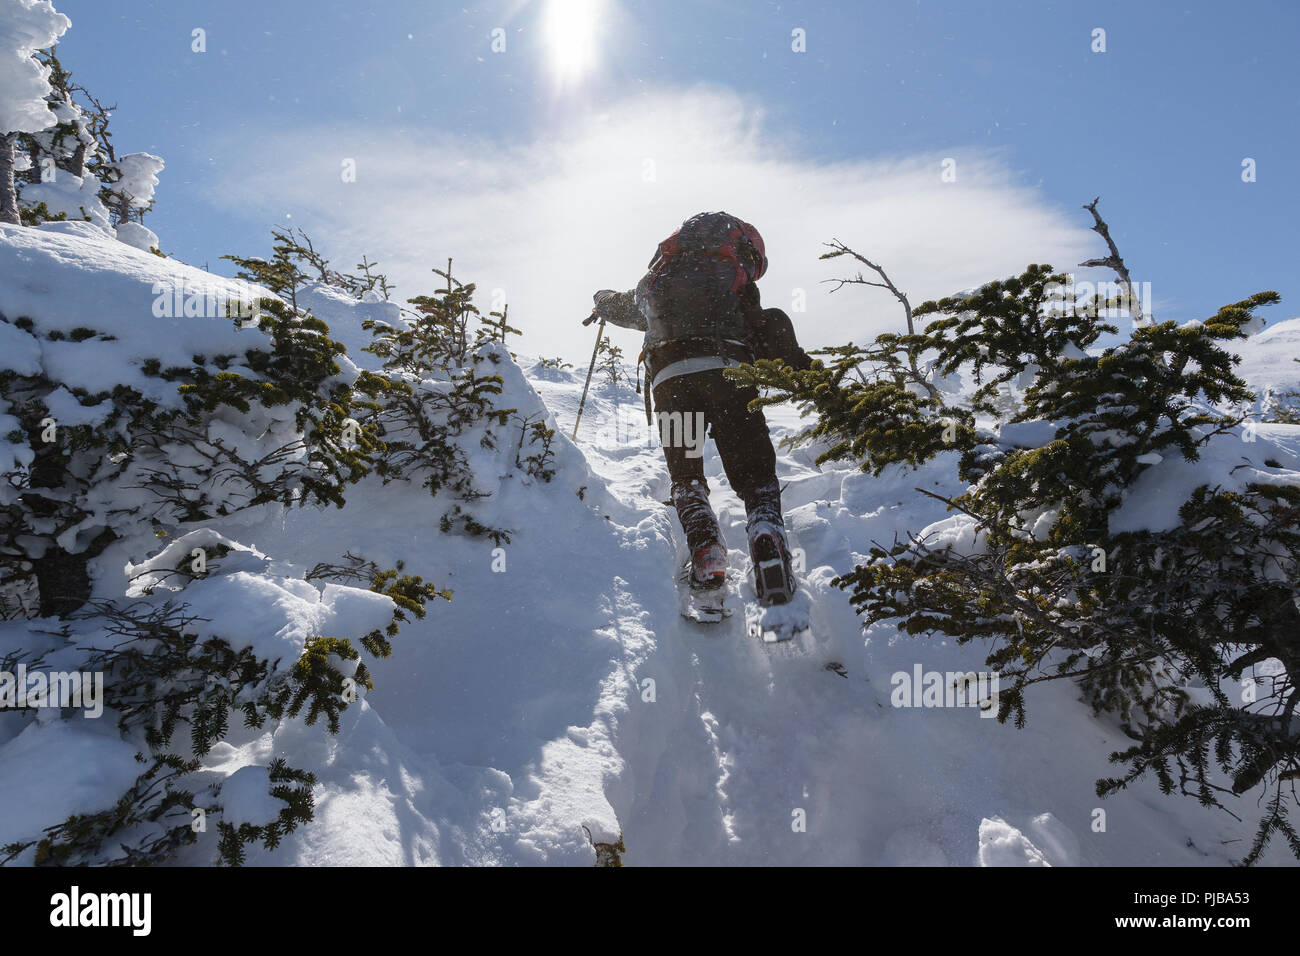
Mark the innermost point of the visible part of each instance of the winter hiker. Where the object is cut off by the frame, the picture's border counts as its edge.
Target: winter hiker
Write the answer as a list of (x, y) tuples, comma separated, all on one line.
[(698, 305)]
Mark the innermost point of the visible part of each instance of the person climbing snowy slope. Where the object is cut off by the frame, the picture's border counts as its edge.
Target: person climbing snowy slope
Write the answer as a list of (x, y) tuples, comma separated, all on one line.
[(699, 307)]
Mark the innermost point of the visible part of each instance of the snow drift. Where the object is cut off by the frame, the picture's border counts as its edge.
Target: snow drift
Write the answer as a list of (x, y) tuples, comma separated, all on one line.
[(559, 698)]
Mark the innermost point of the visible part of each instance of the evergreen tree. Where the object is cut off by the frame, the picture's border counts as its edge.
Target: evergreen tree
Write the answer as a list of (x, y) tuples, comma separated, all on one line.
[(25, 28), (71, 169), (285, 407), (609, 360), (273, 420), (436, 391), (1135, 616)]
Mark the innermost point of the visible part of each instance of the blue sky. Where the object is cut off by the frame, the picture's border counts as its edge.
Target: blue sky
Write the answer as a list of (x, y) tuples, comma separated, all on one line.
[(535, 176)]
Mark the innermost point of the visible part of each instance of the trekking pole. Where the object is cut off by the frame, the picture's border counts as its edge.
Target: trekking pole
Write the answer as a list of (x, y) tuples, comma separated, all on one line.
[(600, 330)]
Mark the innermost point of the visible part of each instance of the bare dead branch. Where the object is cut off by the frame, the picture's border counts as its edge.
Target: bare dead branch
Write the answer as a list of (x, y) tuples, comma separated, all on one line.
[(1114, 261), (886, 283)]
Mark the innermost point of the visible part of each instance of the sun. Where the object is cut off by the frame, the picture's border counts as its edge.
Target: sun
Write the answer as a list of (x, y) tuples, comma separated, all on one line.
[(570, 30)]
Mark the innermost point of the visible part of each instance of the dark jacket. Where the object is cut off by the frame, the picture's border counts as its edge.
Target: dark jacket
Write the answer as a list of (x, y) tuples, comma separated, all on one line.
[(750, 331)]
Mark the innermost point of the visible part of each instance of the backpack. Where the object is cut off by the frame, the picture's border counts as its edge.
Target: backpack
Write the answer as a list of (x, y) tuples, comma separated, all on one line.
[(772, 337), (697, 279)]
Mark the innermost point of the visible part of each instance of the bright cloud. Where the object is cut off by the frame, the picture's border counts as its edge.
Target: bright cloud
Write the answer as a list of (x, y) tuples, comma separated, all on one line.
[(551, 220)]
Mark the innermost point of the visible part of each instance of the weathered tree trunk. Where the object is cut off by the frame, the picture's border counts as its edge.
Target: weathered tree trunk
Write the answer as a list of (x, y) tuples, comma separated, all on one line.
[(63, 580), (77, 165), (8, 196)]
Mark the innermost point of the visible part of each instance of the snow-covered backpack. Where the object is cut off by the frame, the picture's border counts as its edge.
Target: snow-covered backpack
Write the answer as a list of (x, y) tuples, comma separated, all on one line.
[(697, 279)]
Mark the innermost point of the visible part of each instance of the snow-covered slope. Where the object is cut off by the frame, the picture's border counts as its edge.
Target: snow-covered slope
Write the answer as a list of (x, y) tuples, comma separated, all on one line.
[(560, 689), (525, 709), (742, 737), (1268, 357), (1268, 364)]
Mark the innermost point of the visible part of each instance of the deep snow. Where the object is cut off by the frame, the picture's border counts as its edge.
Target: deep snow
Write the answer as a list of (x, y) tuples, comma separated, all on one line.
[(566, 691)]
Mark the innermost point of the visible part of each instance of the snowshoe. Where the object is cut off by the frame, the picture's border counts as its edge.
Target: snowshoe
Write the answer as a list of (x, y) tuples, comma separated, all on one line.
[(707, 605), (773, 577), (779, 623)]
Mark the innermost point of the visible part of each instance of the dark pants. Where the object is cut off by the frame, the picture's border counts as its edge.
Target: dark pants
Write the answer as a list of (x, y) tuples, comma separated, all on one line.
[(741, 436)]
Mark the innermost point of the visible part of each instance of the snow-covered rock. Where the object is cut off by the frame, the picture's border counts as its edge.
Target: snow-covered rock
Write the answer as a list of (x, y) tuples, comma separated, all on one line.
[(137, 235)]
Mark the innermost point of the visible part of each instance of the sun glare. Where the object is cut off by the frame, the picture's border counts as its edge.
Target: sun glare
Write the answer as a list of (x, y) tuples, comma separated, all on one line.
[(570, 29)]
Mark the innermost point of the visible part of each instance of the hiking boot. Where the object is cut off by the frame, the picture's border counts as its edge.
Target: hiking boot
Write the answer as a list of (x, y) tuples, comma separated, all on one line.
[(773, 577), (708, 567)]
